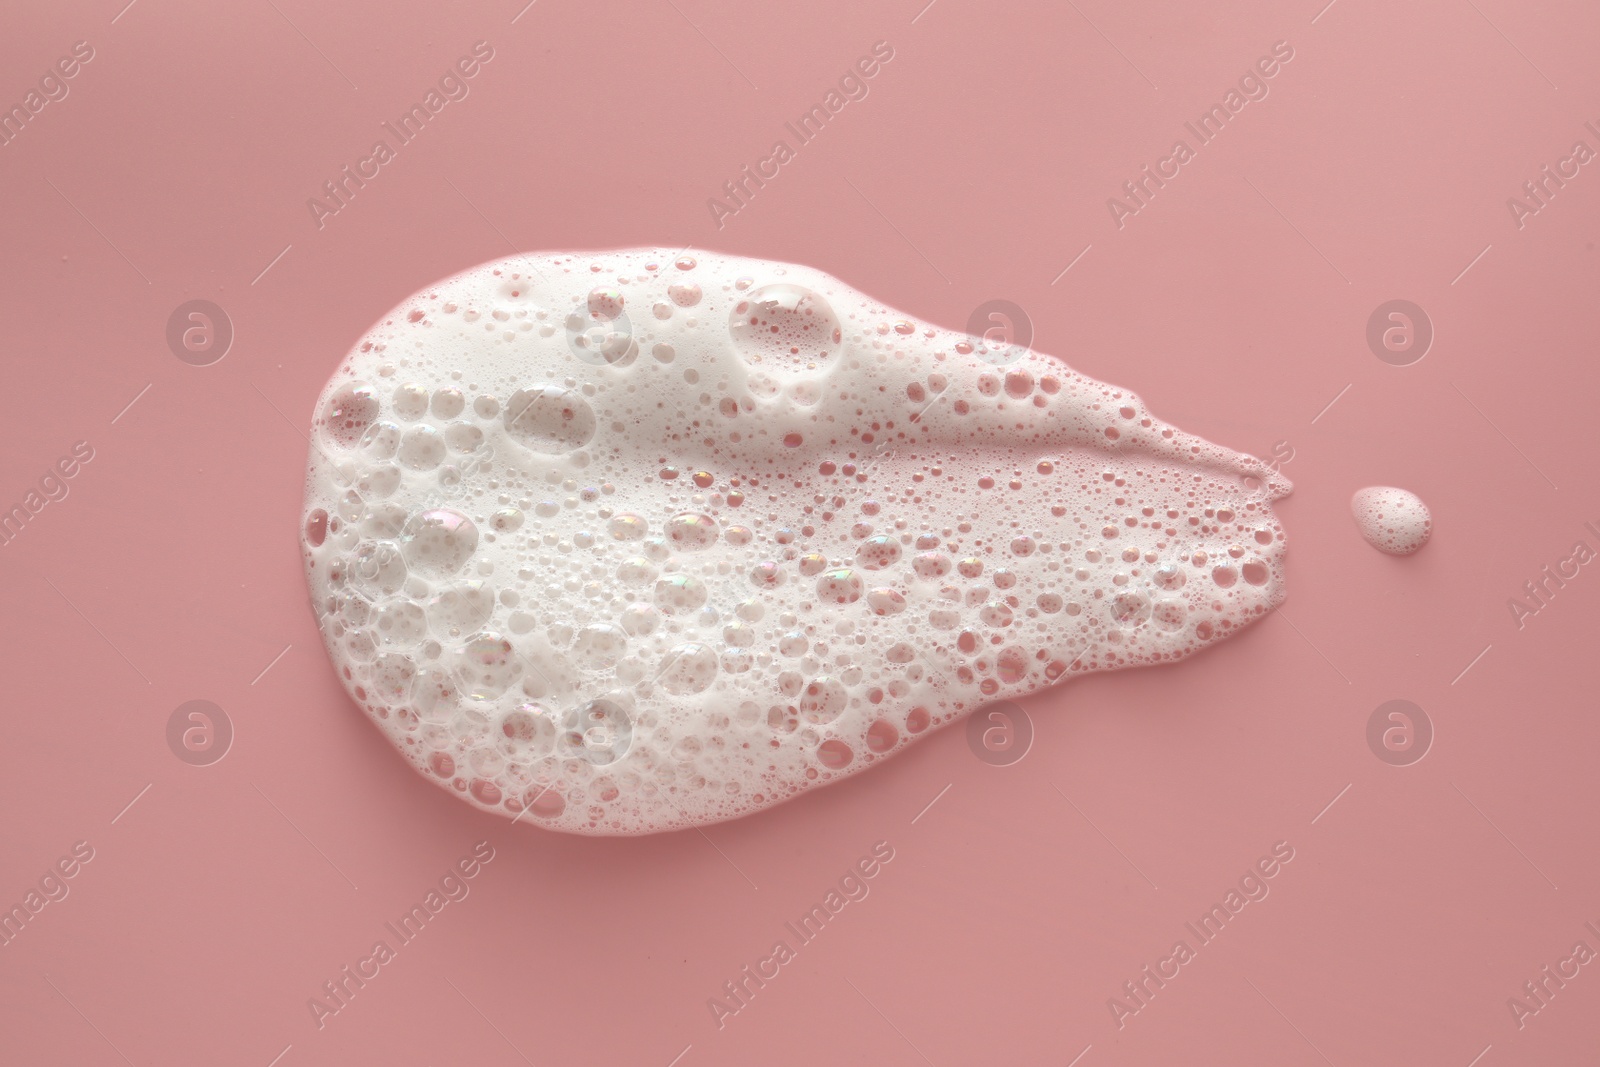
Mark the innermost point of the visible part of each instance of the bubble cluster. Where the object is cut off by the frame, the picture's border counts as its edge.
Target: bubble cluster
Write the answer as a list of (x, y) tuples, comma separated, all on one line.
[(623, 542), (1391, 520)]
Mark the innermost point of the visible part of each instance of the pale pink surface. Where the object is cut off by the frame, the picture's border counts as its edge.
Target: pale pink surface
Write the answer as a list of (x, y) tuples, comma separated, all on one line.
[(1415, 905)]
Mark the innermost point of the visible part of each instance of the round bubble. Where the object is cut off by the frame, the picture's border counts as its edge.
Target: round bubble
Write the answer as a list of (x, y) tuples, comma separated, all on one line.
[(785, 327), (549, 419), (438, 543)]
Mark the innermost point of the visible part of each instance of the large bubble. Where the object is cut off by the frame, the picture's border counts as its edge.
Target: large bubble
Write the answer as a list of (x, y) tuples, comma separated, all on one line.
[(785, 327)]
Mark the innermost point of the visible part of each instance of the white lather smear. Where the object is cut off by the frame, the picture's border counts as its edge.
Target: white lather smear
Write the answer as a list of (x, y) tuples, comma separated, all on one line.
[(642, 544)]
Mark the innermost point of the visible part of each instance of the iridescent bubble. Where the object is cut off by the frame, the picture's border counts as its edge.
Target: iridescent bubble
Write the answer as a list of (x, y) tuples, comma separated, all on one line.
[(626, 527)]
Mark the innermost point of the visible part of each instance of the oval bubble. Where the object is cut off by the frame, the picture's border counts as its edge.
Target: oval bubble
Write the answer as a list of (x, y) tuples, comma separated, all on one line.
[(549, 419)]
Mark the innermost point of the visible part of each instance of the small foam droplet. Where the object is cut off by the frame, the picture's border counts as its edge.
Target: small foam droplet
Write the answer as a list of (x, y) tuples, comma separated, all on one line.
[(1392, 520)]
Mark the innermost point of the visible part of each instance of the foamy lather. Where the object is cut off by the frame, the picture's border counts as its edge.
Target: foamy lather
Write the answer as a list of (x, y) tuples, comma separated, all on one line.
[(641, 543)]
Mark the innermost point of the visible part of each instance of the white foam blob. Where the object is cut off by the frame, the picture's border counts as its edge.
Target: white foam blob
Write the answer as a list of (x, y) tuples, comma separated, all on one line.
[(1391, 520), (630, 544)]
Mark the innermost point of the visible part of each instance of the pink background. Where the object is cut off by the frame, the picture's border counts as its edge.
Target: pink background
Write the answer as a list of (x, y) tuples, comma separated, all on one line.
[(1235, 304)]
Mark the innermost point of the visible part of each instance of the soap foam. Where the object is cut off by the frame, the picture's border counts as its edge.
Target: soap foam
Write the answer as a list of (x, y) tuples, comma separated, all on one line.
[(1391, 520), (626, 543)]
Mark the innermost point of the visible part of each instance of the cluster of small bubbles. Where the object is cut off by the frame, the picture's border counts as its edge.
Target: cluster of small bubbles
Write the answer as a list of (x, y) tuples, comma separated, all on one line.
[(1394, 521), (624, 573), (599, 331)]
